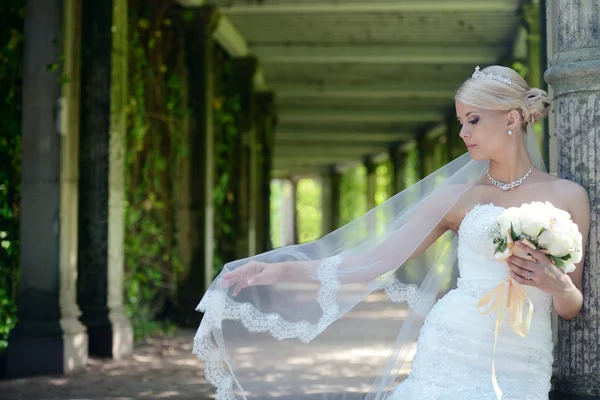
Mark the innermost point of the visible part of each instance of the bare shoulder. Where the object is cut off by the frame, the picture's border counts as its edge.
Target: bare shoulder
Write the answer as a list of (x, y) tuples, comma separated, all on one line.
[(571, 195), (471, 195)]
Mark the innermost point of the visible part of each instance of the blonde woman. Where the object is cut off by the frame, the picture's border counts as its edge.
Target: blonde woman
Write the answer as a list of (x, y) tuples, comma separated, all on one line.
[(282, 301)]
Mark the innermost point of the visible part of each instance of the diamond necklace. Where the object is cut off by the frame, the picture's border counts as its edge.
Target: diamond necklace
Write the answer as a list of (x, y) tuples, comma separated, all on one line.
[(508, 186)]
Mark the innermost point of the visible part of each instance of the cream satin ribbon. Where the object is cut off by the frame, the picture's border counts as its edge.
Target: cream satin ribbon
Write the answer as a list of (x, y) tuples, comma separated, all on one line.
[(508, 298)]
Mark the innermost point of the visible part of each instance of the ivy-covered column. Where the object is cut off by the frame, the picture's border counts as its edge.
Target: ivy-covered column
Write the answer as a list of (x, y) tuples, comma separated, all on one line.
[(265, 128), (197, 200), (398, 158), (422, 157), (574, 73), (371, 167), (48, 337), (247, 193), (102, 177)]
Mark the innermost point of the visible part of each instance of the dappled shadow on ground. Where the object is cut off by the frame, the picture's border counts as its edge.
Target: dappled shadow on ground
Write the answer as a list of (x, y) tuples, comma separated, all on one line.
[(165, 368), (158, 369)]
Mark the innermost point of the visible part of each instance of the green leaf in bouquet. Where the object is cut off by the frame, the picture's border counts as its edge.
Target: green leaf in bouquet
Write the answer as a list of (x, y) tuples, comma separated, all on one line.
[(501, 246), (513, 234), (566, 257), (557, 261)]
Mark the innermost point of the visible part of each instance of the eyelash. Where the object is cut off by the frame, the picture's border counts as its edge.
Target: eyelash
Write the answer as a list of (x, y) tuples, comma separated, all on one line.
[(472, 122)]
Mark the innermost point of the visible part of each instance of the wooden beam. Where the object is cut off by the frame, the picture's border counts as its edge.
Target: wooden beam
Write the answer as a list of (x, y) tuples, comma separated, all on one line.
[(367, 94), (327, 117), (377, 87), (230, 39), (335, 6), (304, 160), (377, 54), (306, 172), (299, 149), (348, 137), (192, 3)]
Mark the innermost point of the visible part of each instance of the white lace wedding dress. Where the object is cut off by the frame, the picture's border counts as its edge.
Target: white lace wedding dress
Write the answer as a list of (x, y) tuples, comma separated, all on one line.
[(455, 345)]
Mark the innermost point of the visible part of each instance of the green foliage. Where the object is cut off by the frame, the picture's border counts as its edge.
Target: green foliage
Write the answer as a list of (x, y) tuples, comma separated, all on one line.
[(11, 73), (383, 183), (309, 210), (353, 201), (155, 147), (227, 136)]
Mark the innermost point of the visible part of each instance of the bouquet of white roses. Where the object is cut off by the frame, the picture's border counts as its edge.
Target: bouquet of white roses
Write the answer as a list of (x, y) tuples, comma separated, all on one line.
[(539, 226)]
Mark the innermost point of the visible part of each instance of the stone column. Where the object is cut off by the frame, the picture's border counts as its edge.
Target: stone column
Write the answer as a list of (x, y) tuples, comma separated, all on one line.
[(247, 192), (289, 232), (196, 207), (371, 182), (48, 338), (294, 203), (330, 200), (102, 177), (265, 127), (422, 157), (398, 158), (574, 74)]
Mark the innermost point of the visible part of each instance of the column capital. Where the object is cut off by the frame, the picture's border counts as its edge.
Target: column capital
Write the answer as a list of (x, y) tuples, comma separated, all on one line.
[(575, 76)]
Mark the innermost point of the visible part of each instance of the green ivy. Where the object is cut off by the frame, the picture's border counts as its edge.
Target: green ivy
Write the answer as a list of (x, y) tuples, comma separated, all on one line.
[(11, 73), (227, 105), (309, 210), (156, 113)]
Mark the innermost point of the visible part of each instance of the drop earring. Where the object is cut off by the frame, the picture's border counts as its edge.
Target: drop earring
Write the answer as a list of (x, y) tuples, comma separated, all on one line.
[(509, 133)]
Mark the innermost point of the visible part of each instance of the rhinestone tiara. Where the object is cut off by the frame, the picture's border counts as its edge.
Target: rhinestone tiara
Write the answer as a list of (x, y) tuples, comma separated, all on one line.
[(499, 78)]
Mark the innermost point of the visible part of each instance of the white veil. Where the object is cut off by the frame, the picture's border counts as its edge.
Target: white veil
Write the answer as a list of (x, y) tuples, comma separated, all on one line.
[(345, 327)]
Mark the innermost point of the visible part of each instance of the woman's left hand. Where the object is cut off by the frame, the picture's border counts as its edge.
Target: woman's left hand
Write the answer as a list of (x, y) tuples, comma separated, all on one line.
[(540, 273)]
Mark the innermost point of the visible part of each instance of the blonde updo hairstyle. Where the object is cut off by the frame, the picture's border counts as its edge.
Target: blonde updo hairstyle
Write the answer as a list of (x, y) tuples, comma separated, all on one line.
[(483, 92)]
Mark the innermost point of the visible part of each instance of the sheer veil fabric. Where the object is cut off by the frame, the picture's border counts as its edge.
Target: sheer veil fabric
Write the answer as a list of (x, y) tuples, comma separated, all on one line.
[(347, 327)]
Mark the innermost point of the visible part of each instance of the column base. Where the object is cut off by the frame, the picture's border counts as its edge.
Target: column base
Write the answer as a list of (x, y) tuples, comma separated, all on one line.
[(111, 338), (57, 352)]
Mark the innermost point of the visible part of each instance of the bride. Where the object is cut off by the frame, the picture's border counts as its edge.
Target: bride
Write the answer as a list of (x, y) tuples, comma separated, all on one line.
[(291, 323)]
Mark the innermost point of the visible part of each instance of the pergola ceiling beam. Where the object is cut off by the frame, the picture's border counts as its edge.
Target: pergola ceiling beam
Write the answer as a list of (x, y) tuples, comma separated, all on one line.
[(302, 93), (324, 137), (378, 88), (313, 161), (335, 6), (299, 148), (330, 117), (376, 54)]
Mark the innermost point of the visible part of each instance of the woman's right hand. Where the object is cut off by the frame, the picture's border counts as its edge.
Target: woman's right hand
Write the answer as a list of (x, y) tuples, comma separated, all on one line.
[(253, 274)]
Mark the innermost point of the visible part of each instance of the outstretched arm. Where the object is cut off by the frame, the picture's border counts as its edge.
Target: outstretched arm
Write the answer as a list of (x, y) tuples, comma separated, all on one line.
[(417, 229)]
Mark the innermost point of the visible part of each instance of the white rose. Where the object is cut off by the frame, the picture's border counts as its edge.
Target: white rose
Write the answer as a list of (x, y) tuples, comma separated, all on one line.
[(534, 217), (568, 268), (510, 216), (557, 214), (561, 240), (577, 255)]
